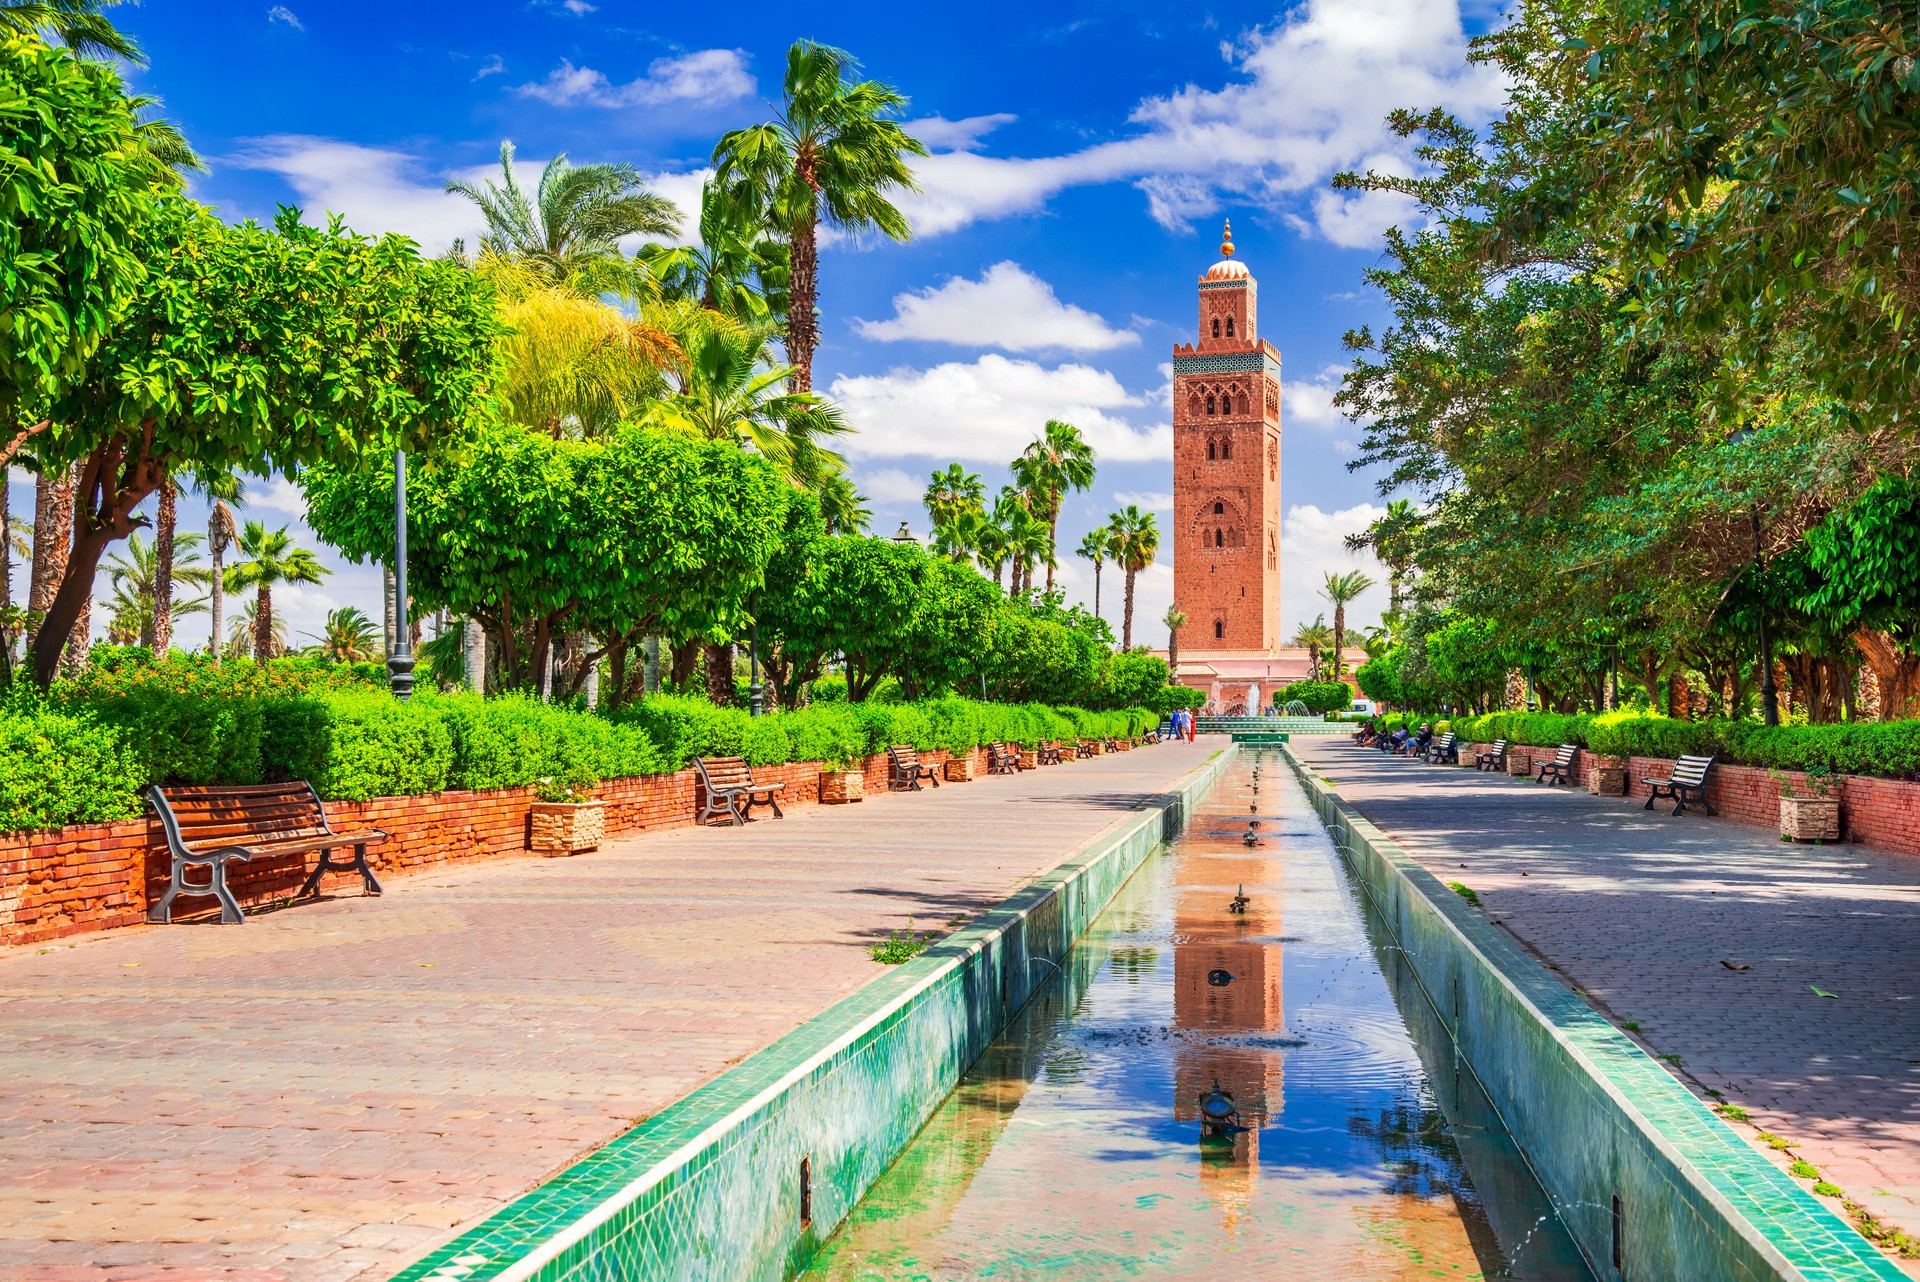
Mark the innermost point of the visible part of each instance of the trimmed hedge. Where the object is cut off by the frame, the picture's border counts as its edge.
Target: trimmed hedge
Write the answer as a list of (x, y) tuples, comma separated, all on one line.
[(83, 751), (1888, 749)]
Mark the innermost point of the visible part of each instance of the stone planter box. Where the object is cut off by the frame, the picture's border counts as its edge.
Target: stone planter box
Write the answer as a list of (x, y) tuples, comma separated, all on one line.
[(1519, 762), (1810, 818), (1608, 778), (960, 769), (839, 787), (1029, 759), (1096, 748), (1123, 745), (568, 827)]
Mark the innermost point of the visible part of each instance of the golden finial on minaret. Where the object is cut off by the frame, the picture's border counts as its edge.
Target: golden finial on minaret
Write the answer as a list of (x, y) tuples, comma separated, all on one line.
[(1226, 240)]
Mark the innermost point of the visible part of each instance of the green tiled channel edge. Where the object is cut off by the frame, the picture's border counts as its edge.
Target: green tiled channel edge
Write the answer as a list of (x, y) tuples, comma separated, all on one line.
[(710, 1186), (1595, 1116)]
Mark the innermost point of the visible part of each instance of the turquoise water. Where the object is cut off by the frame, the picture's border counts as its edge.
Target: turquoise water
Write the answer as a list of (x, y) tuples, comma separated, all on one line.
[(1355, 1148)]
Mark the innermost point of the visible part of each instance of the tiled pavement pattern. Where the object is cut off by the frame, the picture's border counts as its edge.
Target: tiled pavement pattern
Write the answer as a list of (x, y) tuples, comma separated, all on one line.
[(1639, 910), (328, 1091)]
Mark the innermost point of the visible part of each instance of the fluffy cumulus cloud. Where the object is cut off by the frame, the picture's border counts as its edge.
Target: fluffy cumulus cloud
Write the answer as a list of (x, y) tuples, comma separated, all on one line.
[(1308, 402), (942, 134), (890, 485), (1306, 98), (1312, 546), (989, 409), (1007, 308), (704, 78), (1151, 500)]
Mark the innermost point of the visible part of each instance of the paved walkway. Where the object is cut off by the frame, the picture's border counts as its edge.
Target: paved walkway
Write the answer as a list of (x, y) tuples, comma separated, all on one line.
[(1710, 937), (329, 1091)]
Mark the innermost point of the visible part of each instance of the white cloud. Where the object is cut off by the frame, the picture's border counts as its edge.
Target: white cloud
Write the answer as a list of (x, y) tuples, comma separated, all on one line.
[(579, 8), (942, 134), (493, 66), (280, 13), (1309, 401), (1309, 97), (276, 494), (989, 410), (1313, 545), (1151, 500), (706, 77), (890, 485), (1007, 307)]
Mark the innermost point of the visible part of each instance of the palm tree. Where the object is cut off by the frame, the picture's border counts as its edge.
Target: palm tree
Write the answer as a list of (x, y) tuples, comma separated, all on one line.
[(1024, 537), (1340, 589), (1136, 539), (243, 635), (136, 575), (842, 506), (727, 394), (952, 496), (988, 539), (1175, 618), (834, 153), (571, 225), (1391, 538), (77, 24), (960, 538), (1314, 638), (736, 270), (1096, 546), (271, 558), (1058, 461), (348, 637), (165, 545)]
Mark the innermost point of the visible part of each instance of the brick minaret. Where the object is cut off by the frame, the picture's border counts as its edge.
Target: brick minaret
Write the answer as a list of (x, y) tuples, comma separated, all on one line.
[(1226, 471)]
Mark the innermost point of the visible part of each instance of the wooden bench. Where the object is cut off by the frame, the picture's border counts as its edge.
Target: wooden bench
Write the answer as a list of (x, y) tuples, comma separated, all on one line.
[(1003, 759), (731, 787), (1445, 748), (905, 771), (1083, 748), (1494, 758), (1560, 769), (1050, 754), (1688, 780), (212, 827)]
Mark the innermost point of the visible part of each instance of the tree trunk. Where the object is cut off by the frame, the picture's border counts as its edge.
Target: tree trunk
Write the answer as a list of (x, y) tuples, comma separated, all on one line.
[(163, 534), (1173, 654), (1339, 635), (475, 637), (52, 539), (682, 660), (1896, 674), (803, 285), (1126, 625), (720, 675), (263, 625)]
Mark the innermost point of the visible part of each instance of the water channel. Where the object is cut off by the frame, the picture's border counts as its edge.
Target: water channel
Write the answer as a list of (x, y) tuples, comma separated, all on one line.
[(1351, 1145)]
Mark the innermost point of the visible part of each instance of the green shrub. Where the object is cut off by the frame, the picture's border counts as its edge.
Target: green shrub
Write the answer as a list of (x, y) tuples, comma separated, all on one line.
[(59, 767), (369, 744), (1319, 696)]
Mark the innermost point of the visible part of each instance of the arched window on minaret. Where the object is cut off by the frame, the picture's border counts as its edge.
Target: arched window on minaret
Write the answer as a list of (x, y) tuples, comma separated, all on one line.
[(1216, 327), (1229, 327), (1210, 451), (1226, 446), (1219, 509), (1219, 539), (1219, 630), (1209, 402)]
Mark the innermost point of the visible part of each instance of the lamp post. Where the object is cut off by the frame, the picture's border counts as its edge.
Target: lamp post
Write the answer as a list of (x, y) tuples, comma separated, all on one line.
[(756, 694), (903, 535), (400, 661)]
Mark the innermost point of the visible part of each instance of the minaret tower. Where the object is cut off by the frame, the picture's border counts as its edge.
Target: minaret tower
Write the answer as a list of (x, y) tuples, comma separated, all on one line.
[(1226, 472)]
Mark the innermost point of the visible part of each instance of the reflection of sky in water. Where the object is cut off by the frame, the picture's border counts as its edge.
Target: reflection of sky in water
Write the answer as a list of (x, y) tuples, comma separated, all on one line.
[(1072, 1149)]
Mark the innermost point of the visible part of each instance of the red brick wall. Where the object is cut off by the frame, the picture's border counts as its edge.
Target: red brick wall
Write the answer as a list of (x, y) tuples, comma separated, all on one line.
[(65, 881), (1879, 812)]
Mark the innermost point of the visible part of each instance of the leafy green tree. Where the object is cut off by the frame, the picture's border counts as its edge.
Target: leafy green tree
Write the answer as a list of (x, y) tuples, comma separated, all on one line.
[(1865, 581), (269, 557), (1378, 678), (1037, 652), (1136, 541), (570, 225), (78, 24), (641, 533), (1058, 462), (210, 369), (1469, 661), (834, 154), (1318, 696), (1133, 680)]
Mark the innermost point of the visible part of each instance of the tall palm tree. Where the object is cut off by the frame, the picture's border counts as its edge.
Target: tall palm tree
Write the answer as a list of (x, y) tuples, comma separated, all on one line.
[(988, 539), (1175, 618), (271, 558), (1315, 638), (736, 269), (1391, 538), (834, 154), (1136, 540), (165, 545), (574, 365), (1340, 589), (220, 490), (77, 24), (1096, 546), (1058, 461), (571, 225), (243, 635), (1026, 540), (959, 538), (347, 637), (136, 574), (726, 393), (952, 495), (842, 506)]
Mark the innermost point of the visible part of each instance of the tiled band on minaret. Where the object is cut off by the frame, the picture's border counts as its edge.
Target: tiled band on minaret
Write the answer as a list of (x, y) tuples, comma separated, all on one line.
[(1226, 470)]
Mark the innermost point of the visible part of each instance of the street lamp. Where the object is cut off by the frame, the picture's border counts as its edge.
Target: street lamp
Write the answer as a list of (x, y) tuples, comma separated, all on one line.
[(904, 535), (756, 694), (1769, 693), (400, 662)]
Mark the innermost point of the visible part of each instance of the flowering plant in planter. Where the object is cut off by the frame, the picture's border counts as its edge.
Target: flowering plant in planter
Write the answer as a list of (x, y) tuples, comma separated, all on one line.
[(567, 818), (1808, 810), (840, 783)]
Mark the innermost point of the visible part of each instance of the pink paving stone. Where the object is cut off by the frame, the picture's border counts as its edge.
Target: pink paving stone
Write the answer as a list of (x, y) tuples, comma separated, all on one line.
[(1638, 910), (353, 1105)]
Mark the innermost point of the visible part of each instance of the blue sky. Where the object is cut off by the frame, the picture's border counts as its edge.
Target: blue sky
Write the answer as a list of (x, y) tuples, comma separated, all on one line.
[(1085, 155)]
